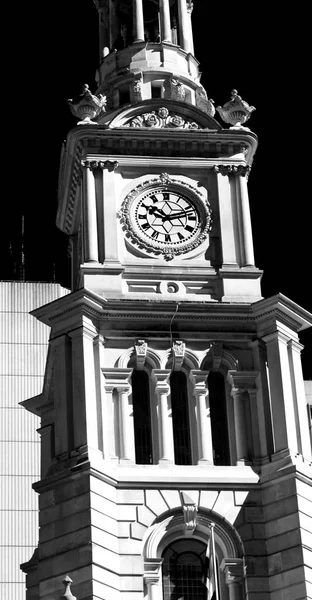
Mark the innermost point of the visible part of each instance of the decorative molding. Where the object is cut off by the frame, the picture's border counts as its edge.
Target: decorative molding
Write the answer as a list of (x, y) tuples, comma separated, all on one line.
[(190, 514), (162, 118), (189, 6), (167, 251)]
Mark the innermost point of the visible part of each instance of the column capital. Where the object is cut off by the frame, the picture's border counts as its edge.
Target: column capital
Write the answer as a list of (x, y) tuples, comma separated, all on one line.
[(199, 380), (152, 570), (161, 379), (118, 379), (242, 381), (295, 345), (227, 169), (276, 336), (233, 569)]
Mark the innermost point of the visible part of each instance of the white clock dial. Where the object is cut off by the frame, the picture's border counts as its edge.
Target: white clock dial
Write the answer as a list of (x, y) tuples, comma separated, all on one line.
[(166, 217)]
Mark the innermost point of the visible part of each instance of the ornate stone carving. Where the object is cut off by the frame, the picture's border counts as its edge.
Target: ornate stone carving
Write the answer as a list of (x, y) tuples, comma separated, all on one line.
[(202, 102), (236, 111), (138, 88), (87, 106), (141, 352), (67, 594), (189, 508), (174, 89), (110, 165), (162, 118), (178, 349)]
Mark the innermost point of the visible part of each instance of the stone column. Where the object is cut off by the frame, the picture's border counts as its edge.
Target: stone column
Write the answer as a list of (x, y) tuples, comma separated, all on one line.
[(90, 213), (165, 20), (245, 220), (240, 426), (118, 379), (165, 431), (138, 20), (103, 29), (282, 404), (204, 437), (245, 421), (233, 569), (294, 352), (185, 41), (189, 8)]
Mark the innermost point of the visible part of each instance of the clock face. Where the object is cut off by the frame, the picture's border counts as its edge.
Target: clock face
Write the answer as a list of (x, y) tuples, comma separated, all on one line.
[(166, 217)]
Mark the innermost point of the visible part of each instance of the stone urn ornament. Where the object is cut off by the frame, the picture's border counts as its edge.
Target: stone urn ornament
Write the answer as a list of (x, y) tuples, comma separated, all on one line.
[(236, 111), (87, 106), (67, 593)]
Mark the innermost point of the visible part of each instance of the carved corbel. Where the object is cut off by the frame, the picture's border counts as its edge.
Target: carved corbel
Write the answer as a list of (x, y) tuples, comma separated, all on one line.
[(189, 508), (178, 350), (140, 353)]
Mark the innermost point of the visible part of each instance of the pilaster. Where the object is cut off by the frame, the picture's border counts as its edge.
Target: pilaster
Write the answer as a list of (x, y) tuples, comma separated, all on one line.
[(200, 391)]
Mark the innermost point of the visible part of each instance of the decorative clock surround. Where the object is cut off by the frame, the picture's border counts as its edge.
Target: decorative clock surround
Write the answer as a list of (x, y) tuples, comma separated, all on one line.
[(166, 217)]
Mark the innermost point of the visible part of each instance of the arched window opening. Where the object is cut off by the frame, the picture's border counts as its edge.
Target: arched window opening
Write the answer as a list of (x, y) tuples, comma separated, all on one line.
[(219, 422), (180, 419), (141, 418), (184, 571)]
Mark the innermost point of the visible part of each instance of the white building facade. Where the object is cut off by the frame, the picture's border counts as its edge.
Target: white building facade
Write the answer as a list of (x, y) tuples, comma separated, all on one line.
[(173, 396)]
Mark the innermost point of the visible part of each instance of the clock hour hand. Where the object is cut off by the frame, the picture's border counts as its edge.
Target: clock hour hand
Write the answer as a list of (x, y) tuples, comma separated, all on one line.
[(153, 210)]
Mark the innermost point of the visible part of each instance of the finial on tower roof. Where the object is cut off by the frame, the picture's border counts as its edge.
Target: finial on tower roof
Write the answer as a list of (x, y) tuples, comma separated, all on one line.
[(236, 111)]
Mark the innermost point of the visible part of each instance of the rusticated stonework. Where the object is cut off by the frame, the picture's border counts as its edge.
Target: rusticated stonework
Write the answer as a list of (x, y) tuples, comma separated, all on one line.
[(162, 118)]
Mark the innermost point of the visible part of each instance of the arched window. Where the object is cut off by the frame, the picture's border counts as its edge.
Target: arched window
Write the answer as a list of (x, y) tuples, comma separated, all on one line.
[(184, 570), (141, 417), (219, 422), (180, 419)]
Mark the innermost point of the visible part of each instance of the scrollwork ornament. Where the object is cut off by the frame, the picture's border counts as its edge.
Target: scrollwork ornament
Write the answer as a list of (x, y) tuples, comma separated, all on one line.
[(162, 118)]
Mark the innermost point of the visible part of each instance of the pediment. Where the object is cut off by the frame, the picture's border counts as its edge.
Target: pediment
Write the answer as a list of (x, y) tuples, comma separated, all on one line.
[(162, 114)]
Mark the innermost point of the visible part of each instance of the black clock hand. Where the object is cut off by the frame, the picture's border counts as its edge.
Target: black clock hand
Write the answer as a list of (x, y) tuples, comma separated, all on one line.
[(178, 215)]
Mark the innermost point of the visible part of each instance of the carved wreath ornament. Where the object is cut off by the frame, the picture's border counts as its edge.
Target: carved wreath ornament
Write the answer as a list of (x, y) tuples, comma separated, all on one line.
[(161, 118), (166, 217)]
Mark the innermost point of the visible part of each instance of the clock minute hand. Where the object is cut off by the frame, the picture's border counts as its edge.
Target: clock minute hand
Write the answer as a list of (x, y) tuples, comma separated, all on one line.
[(179, 214)]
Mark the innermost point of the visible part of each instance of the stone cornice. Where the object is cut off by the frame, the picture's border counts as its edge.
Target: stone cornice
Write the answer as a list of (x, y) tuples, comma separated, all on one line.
[(99, 141), (269, 311)]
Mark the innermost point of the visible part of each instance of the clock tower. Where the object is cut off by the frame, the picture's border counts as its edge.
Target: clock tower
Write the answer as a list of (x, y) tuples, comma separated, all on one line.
[(173, 404)]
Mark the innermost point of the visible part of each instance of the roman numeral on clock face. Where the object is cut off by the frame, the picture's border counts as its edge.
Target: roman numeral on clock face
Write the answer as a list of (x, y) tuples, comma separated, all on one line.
[(167, 237), (155, 235), (145, 226), (189, 228), (180, 236)]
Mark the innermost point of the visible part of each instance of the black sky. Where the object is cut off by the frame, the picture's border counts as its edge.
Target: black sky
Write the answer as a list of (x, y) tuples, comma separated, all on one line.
[(257, 49)]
